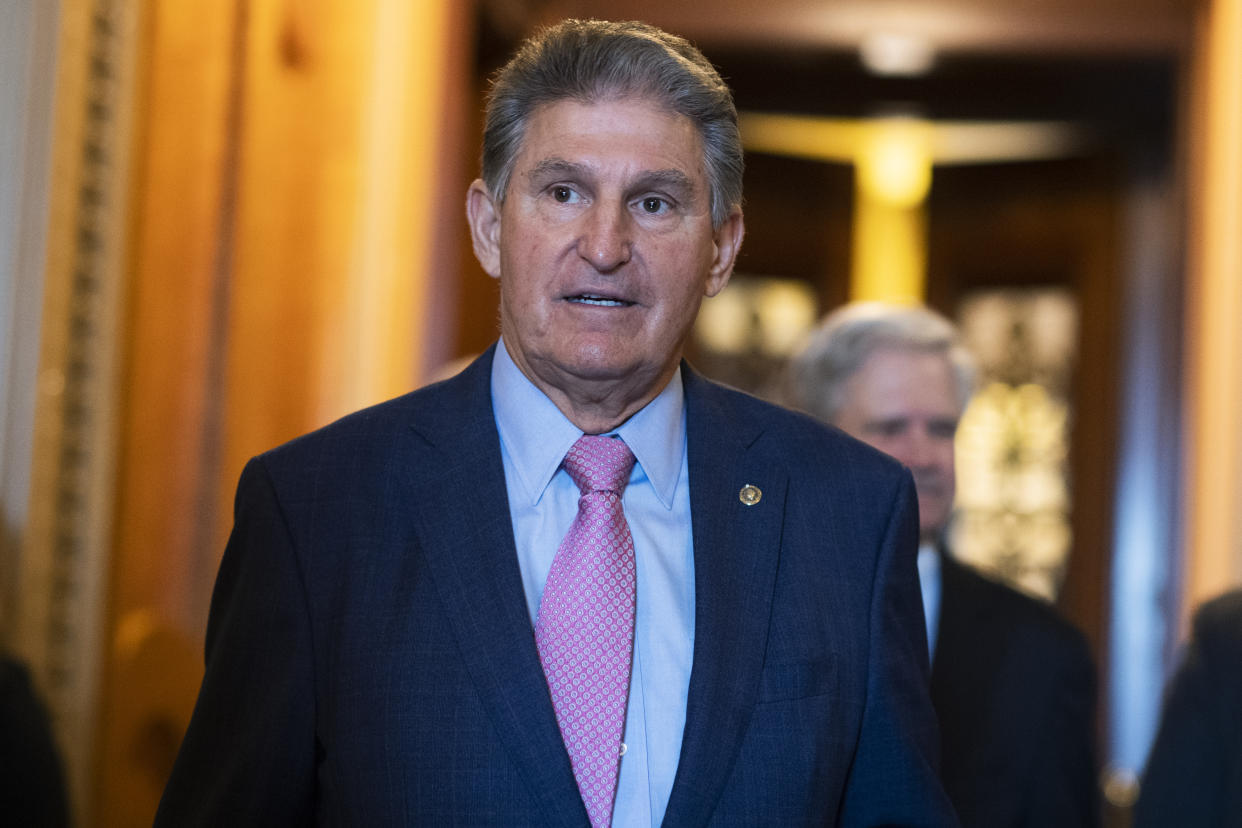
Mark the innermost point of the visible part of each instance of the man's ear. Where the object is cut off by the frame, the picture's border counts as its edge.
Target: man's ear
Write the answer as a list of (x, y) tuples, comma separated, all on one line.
[(728, 241), (483, 215)]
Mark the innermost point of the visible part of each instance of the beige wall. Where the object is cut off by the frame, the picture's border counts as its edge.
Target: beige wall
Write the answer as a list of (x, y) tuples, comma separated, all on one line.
[(1213, 330)]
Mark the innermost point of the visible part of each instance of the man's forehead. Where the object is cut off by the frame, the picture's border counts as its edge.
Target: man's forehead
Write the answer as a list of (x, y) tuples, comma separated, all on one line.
[(636, 139), (903, 379), (636, 99), (590, 116), (891, 362)]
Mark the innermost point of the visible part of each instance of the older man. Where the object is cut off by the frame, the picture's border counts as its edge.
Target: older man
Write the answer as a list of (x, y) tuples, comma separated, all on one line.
[(576, 583), (1012, 683)]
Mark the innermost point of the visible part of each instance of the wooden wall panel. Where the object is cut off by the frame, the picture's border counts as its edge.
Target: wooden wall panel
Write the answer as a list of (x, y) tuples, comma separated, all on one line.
[(286, 224), (1213, 383), (165, 487)]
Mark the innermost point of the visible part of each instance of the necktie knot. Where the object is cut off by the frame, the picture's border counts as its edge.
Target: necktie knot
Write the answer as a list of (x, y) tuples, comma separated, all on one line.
[(597, 463)]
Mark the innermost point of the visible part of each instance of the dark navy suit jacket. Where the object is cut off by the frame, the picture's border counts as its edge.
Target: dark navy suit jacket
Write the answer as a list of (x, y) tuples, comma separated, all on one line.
[(1194, 774), (1013, 686), (371, 661)]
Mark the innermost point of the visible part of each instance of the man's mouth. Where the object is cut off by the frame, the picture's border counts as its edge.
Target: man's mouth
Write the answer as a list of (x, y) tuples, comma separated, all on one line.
[(598, 301)]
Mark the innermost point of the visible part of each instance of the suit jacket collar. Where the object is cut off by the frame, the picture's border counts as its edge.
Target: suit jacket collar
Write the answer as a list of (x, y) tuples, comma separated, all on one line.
[(473, 560)]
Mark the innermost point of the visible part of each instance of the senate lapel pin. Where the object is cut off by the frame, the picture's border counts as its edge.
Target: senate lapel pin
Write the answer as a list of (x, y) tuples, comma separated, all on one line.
[(750, 495)]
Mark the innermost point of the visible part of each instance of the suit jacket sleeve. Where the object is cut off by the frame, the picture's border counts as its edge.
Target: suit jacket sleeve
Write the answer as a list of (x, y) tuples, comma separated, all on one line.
[(894, 776), (248, 757)]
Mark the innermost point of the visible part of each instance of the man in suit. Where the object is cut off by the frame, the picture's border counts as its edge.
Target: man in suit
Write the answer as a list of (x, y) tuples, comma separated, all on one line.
[(1012, 683), (1194, 775), (433, 611)]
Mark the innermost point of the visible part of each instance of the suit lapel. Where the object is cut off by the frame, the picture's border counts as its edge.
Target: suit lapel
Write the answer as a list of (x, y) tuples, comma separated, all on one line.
[(467, 538), (735, 560)]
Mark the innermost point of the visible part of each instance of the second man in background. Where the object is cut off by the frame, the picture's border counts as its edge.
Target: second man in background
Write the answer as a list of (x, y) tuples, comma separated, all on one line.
[(1012, 683)]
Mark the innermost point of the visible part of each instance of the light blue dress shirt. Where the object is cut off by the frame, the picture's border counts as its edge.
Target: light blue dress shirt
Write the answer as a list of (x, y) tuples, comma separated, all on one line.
[(929, 583), (543, 500)]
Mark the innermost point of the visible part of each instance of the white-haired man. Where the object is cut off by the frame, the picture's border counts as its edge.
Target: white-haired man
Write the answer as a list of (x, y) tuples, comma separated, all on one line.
[(1012, 682)]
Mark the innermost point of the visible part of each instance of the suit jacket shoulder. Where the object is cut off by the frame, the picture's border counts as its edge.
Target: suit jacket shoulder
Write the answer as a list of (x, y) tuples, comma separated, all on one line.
[(457, 408), (1218, 631), (1015, 618)]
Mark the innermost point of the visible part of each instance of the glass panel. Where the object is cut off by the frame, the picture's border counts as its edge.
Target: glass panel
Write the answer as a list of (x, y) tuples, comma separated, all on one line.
[(1013, 498)]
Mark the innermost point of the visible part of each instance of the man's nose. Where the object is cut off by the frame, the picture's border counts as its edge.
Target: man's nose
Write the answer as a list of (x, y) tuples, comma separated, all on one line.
[(607, 238), (922, 448)]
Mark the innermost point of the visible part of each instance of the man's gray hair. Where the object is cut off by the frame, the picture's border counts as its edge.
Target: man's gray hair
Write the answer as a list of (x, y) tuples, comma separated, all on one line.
[(845, 338), (597, 60)]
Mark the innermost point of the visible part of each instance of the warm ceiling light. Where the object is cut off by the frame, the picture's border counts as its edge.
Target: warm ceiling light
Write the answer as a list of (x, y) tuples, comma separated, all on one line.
[(895, 162), (891, 53)]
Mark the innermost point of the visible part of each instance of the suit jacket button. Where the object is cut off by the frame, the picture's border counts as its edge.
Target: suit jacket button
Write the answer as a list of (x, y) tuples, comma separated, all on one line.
[(749, 494)]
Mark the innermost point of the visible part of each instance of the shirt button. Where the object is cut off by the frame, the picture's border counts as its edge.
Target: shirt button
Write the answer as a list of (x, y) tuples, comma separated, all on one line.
[(623, 749)]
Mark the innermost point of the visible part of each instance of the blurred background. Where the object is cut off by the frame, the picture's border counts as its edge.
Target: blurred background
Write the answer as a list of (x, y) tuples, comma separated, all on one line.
[(224, 224)]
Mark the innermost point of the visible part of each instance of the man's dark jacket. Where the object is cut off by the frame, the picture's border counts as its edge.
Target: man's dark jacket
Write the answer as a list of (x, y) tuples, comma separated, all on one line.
[(1194, 775), (371, 660), (1013, 685)]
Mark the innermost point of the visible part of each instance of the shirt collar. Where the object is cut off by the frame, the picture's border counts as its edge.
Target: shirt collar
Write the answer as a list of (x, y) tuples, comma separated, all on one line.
[(537, 435)]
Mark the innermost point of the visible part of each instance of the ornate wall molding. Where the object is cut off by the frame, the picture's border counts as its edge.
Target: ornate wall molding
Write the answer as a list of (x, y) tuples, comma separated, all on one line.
[(67, 542)]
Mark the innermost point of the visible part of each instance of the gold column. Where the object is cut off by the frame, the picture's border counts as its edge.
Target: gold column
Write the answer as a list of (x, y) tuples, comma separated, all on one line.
[(893, 169), (892, 159), (1214, 308)]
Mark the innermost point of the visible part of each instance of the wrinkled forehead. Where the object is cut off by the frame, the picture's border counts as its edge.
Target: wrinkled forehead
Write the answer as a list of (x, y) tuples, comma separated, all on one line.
[(641, 131), (641, 105)]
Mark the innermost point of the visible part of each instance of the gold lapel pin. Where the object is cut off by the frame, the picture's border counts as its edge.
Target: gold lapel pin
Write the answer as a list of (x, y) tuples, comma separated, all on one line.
[(750, 495)]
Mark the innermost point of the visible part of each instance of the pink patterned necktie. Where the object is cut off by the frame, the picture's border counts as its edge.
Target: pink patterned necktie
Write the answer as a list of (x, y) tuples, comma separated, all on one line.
[(585, 629)]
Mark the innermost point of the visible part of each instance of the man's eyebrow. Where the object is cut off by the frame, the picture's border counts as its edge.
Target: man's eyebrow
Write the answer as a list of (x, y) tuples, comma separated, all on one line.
[(881, 422), (554, 167), (671, 180)]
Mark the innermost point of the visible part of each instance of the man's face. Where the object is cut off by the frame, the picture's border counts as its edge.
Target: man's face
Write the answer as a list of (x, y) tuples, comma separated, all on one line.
[(903, 403), (604, 246)]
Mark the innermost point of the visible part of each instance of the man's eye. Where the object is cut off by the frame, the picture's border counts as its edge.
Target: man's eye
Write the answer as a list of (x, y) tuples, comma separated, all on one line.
[(562, 194), (652, 204), (886, 428)]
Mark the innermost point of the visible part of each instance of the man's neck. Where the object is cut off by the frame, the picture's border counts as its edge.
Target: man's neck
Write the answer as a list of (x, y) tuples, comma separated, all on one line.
[(597, 405)]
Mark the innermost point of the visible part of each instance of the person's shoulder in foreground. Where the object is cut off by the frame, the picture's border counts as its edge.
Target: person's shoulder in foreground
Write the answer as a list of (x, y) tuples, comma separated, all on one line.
[(1194, 774)]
